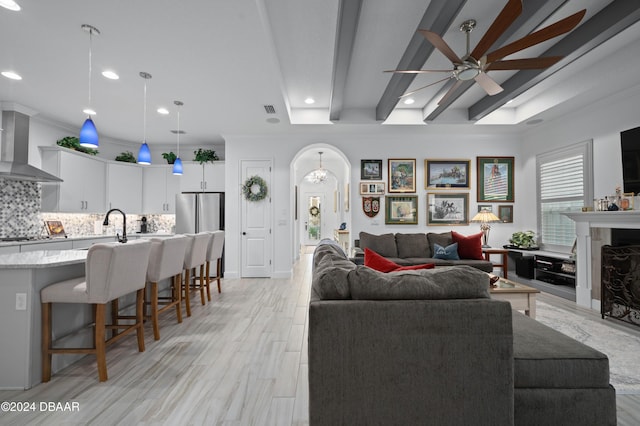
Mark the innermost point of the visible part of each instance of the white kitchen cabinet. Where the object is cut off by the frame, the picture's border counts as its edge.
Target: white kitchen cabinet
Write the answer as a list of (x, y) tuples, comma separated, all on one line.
[(159, 189), (124, 187), (83, 186), (207, 177)]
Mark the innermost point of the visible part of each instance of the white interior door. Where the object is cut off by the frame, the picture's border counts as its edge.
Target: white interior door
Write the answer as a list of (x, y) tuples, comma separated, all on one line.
[(256, 247), (312, 214)]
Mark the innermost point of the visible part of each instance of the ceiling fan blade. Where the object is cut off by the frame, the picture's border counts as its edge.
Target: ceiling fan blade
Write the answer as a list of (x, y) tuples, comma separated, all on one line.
[(563, 26), (488, 84), (441, 45), (524, 64), (424, 87), (509, 13), (450, 92), (416, 71)]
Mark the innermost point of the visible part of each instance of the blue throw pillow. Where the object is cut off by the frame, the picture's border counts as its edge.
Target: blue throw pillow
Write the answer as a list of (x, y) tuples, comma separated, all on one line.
[(447, 253)]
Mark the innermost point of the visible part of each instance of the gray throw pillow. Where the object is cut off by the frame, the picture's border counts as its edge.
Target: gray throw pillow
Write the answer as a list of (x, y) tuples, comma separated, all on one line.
[(329, 278), (449, 252), (384, 245), (413, 245)]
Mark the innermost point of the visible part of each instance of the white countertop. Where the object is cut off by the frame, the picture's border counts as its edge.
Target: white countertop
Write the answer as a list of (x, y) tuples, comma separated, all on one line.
[(82, 237), (42, 259)]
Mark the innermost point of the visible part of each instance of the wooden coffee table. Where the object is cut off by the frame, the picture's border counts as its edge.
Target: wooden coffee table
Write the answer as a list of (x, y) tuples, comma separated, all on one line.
[(521, 297)]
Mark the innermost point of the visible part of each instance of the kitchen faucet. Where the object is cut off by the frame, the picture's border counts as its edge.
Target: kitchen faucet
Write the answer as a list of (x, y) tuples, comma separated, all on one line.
[(124, 224)]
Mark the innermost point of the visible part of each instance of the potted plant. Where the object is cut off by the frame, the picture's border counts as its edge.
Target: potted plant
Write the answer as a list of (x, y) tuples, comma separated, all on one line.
[(127, 157), (169, 156), (524, 240), (72, 142), (205, 156)]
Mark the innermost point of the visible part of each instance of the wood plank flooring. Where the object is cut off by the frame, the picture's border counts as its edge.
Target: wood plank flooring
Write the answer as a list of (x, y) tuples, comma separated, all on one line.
[(239, 360)]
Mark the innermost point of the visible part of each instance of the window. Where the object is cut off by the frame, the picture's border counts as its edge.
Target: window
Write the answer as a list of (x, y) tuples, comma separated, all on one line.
[(565, 184)]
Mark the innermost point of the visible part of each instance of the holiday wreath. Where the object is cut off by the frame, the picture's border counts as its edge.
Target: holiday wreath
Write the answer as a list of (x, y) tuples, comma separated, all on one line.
[(314, 211), (254, 189)]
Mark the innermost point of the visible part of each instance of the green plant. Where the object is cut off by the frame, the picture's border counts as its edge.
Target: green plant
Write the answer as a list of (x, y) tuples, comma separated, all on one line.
[(169, 156), (205, 156), (127, 157), (523, 239), (72, 142)]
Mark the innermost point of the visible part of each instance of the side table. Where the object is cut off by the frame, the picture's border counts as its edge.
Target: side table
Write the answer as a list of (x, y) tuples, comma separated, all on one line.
[(488, 251)]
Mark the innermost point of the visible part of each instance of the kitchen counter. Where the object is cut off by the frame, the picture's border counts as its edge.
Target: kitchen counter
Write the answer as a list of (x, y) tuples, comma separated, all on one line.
[(42, 259)]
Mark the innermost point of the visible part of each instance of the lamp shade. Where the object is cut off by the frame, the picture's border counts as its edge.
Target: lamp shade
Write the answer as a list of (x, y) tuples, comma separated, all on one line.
[(144, 155), (177, 167), (89, 134), (485, 216)]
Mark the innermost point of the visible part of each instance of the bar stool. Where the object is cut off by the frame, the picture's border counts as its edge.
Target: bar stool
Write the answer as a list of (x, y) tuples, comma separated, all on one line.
[(111, 271), (195, 256), (165, 261), (214, 254)]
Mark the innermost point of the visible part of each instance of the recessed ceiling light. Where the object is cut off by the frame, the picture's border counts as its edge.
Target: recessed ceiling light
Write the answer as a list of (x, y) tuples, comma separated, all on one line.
[(12, 75), (409, 101), (89, 111), (163, 111), (10, 4), (110, 75), (309, 101), (273, 120)]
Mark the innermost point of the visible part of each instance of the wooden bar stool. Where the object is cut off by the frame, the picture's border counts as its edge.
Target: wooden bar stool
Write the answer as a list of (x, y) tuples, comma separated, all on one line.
[(111, 271), (195, 256), (166, 261), (214, 254)]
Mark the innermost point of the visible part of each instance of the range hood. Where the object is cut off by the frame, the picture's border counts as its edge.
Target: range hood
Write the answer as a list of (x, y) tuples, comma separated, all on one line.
[(14, 152)]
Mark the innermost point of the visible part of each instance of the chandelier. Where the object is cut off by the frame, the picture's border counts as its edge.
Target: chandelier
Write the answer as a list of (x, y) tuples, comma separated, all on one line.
[(319, 175)]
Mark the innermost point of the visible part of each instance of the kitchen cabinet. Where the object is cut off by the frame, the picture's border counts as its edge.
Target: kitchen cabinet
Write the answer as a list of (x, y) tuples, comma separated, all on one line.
[(124, 187), (207, 177), (83, 186), (159, 189)]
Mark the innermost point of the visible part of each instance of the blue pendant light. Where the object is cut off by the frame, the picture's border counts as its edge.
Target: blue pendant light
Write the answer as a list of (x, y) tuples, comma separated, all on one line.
[(88, 132), (144, 155), (177, 164)]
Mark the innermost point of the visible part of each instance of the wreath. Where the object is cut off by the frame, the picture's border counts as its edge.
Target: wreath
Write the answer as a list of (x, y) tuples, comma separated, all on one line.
[(254, 189), (314, 211)]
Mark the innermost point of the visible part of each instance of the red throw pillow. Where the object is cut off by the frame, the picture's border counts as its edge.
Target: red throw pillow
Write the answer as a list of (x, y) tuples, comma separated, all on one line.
[(468, 247), (374, 261)]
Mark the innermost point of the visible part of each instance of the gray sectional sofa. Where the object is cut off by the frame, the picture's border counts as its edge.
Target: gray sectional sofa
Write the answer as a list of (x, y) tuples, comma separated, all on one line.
[(413, 249), (431, 347)]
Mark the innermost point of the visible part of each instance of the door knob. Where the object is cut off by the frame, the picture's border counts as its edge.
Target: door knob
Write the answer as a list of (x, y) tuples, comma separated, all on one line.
[(244, 233)]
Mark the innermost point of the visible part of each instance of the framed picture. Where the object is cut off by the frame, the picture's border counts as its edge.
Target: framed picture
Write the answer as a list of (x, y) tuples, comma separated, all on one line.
[(626, 203), (446, 174), (401, 210), (495, 179), (370, 169), (487, 207), (369, 188), (55, 228), (505, 213), (402, 175), (447, 208), (346, 197)]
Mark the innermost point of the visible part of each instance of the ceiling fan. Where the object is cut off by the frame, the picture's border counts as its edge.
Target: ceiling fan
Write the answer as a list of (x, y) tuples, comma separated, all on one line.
[(475, 64)]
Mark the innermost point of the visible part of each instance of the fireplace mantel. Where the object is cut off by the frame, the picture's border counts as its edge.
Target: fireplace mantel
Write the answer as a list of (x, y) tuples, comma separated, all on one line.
[(585, 221)]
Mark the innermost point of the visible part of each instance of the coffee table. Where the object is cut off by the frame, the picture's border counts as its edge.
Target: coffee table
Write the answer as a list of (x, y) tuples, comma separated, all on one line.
[(521, 297)]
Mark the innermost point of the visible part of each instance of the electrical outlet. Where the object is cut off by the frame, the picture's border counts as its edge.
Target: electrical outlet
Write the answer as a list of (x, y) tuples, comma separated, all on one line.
[(21, 301)]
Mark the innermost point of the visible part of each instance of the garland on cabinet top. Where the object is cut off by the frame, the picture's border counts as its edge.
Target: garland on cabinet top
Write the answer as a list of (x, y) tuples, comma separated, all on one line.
[(254, 189)]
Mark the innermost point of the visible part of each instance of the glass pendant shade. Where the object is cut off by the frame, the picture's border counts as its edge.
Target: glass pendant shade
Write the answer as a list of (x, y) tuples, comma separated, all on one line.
[(89, 134), (144, 155), (177, 167)]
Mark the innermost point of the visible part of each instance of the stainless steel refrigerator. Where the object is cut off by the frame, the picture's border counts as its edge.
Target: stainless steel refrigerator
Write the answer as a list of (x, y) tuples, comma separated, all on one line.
[(199, 212)]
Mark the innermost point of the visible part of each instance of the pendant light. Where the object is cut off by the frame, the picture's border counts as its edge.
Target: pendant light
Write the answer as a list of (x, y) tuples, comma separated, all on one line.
[(177, 164), (144, 155), (319, 175), (88, 132)]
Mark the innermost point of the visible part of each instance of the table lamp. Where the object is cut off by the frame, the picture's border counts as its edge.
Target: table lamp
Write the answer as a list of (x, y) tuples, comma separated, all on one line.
[(485, 217)]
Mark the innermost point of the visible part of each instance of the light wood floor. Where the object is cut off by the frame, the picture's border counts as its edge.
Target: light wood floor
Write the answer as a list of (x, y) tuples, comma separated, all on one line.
[(240, 360)]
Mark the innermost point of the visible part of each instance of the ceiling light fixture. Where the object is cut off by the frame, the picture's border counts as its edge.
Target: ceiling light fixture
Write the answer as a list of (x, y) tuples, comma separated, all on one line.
[(177, 164), (409, 101), (11, 75), (144, 154), (309, 101), (319, 175), (10, 4), (111, 75), (163, 111), (88, 132)]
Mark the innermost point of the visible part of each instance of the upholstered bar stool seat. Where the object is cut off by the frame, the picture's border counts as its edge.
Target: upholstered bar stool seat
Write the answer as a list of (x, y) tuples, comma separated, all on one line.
[(111, 271), (166, 261), (214, 255), (195, 257)]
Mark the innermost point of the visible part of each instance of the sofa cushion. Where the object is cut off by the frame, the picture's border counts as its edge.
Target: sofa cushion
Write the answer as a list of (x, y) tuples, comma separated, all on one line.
[(460, 282), (469, 247), (330, 270), (413, 245), (449, 252), (546, 358), (444, 239), (384, 245), (483, 265), (375, 261)]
